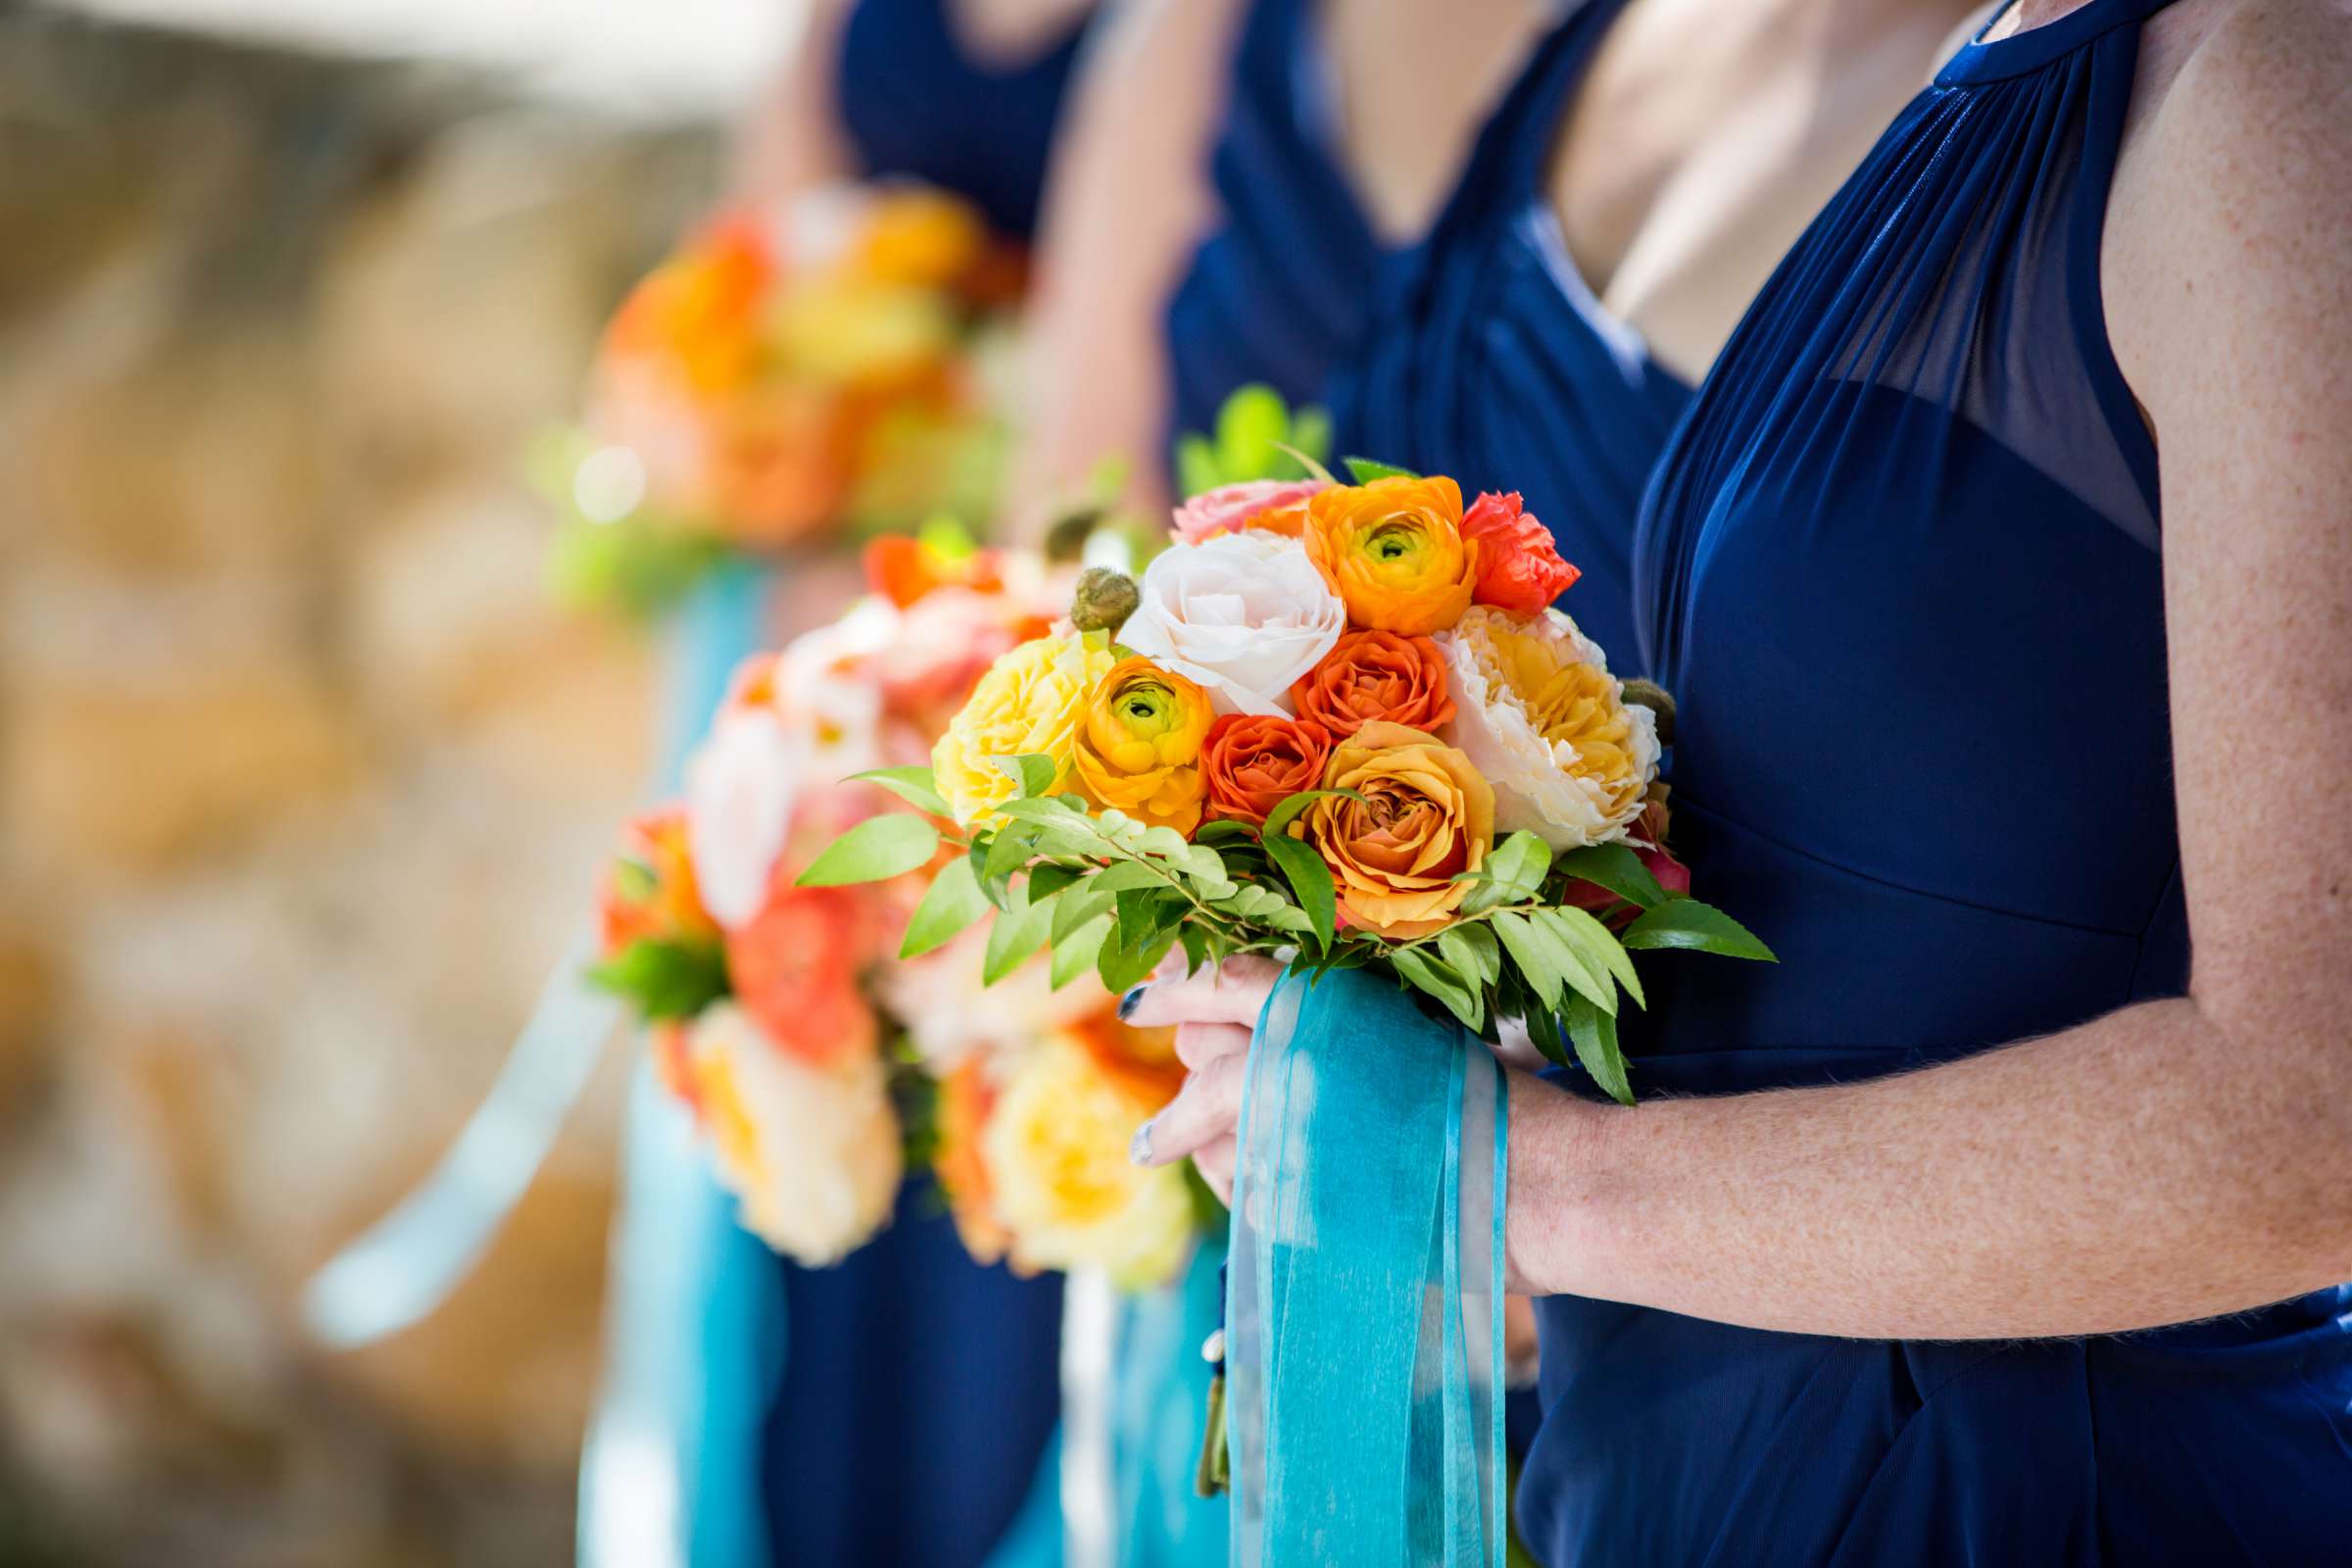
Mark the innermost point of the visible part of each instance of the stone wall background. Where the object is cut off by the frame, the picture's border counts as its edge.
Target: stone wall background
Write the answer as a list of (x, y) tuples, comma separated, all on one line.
[(302, 781)]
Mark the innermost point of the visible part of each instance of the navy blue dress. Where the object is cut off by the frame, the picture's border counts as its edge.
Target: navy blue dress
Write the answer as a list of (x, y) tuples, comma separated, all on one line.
[(1283, 286), (915, 102), (1901, 566), (919, 1390), (1490, 360)]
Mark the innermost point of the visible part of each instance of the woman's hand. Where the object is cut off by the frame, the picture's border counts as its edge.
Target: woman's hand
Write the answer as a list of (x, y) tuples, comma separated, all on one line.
[(1213, 1013)]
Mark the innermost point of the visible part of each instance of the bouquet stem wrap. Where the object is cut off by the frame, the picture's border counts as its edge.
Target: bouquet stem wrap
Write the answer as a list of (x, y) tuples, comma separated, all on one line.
[(1364, 1309)]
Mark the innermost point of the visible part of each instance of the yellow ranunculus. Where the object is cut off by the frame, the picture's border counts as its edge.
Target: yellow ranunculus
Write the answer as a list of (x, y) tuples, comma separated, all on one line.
[(1538, 712), (1394, 552), (1139, 748), (1029, 704), (1425, 817), (1055, 1147)]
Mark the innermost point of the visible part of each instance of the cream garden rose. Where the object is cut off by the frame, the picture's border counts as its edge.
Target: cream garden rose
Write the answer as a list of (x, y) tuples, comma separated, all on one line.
[(1243, 615), (813, 1153), (742, 784), (1538, 712)]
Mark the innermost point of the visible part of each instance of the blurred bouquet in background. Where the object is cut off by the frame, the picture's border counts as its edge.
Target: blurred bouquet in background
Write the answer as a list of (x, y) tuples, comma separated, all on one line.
[(783, 383), (825, 1038)]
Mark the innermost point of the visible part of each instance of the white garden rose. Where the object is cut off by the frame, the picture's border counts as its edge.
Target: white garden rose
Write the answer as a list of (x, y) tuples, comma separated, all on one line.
[(1538, 715), (1244, 614), (812, 1151), (741, 786)]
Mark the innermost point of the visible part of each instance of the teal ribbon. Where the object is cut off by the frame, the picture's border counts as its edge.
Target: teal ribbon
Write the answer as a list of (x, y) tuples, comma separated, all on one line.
[(1364, 1304), (1160, 1403)]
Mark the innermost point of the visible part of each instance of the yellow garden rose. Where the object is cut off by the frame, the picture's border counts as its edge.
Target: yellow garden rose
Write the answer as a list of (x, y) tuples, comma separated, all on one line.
[(1426, 816), (1029, 703), (1055, 1147), (1139, 748), (1394, 552), (1537, 710)]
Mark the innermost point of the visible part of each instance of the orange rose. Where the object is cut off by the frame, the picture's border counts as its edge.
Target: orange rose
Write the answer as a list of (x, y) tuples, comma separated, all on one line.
[(1254, 761), (697, 313), (1373, 675), (1426, 816), (795, 969), (1520, 568), (649, 892), (1394, 552)]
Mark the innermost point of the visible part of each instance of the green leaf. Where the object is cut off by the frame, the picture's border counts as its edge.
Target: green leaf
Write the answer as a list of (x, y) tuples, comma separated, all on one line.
[(1584, 972), (913, 785), (1689, 923), (1080, 904), (1367, 470), (1197, 468), (1221, 832), (1074, 953), (1434, 978), (1013, 847), (874, 850), (1123, 875), (1252, 420), (1470, 947), (1311, 880), (666, 980), (1047, 880), (953, 903), (1015, 935), (1032, 772), (1513, 871), (1124, 966), (1310, 434), (1598, 945), (1616, 867), (1596, 1036), (1550, 1037), (1279, 819), (1533, 954)]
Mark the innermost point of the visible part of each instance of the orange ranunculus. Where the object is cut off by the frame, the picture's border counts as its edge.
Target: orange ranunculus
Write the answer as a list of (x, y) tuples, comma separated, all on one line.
[(967, 1098), (1520, 569), (699, 312), (920, 239), (1426, 816), (649, 892), (1394, 552), (795, 969), (1143, 1059), (1139, 744), (1371, 675), (906, 569), (1254, 761)]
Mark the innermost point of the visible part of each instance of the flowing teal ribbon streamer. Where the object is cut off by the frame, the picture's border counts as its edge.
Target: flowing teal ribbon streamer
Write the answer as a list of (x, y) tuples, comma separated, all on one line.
[(1160, 1406), (1364, 1303)]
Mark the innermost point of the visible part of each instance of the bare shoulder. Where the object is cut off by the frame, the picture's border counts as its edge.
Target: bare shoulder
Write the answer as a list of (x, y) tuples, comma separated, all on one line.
[(2230, 214)]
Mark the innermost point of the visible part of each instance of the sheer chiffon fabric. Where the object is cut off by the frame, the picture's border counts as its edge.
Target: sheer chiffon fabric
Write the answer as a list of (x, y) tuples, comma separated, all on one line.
[(1489, 358), (1901, 566)]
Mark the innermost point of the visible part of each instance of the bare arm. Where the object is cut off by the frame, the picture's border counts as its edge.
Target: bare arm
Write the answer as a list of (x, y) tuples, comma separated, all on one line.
[(1127, 199), (2172, 1160), (791, 141)]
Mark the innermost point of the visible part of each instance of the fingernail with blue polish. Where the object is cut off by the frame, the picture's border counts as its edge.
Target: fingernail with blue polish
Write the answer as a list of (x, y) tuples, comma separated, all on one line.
[(1139, 1150), (1127, 1003)]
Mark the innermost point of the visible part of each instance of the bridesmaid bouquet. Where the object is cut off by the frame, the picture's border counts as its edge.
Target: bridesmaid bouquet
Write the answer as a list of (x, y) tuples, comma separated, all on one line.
[(817, 1066), (775, 383), (1337, 723)]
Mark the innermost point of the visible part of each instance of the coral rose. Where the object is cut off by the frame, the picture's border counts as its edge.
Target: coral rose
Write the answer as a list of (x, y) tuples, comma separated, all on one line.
[(1394, 552), (812, 1151), (795, 968), (1519, 568), (1254, 761), (1138, 748), (1371, 675), (1055, 1147), (1426, 816), (1030, 704), (1550, 728), (966, 1099), (1255, 503)]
